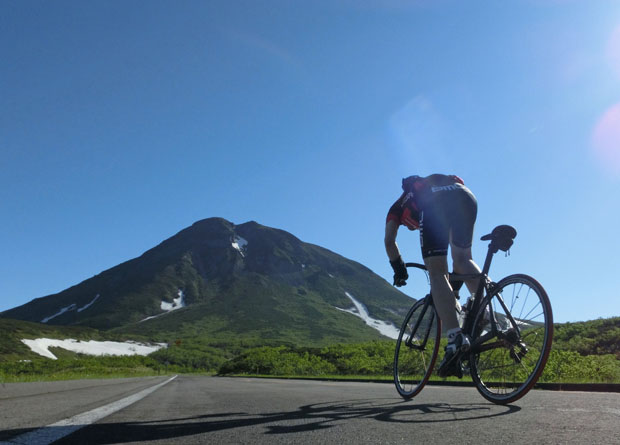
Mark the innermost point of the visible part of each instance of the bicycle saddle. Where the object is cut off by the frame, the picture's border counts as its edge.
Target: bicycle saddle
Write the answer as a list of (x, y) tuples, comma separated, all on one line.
[(501, 237)]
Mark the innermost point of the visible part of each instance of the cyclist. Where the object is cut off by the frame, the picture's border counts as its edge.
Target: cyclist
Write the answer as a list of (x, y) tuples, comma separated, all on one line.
[(444, 210)]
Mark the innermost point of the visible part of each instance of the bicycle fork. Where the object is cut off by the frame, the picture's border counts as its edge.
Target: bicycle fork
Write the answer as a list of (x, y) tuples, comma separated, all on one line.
[(414, 330)]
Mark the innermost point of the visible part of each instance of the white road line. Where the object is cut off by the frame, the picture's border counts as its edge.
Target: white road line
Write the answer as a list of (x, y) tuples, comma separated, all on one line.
[(58, 430)]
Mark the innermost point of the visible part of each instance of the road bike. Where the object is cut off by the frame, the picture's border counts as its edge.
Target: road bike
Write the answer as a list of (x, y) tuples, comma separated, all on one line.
[(510, 325)]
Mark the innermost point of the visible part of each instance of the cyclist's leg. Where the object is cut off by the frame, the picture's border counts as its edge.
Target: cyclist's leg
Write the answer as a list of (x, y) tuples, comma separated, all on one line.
[(434, 240), (437, 228), (443, 297), (461, 235), (463, 263)]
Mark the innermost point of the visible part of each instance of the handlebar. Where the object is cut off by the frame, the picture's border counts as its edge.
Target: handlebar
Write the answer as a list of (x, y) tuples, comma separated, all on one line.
[(416, 265), (453, 276)]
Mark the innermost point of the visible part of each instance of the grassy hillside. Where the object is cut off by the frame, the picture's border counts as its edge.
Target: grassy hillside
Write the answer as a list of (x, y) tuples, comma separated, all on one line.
[(570, 360), (596, 337), (258, 309)]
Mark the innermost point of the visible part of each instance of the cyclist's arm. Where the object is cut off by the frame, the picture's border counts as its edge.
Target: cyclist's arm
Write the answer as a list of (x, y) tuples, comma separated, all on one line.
[(391, 248)]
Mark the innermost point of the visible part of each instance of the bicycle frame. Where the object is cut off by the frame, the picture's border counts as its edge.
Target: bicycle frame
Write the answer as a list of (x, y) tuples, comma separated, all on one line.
[(485, 289)]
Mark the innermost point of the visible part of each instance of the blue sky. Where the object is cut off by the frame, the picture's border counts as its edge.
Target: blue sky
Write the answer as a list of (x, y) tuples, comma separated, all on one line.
[(124, 122)]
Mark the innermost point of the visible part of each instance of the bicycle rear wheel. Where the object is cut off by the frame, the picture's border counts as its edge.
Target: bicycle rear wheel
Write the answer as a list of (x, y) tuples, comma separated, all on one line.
[(417, 348), (507, 364)]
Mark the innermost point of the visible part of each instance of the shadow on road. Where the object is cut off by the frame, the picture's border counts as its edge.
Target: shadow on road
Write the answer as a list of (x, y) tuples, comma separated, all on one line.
[(305, 418)]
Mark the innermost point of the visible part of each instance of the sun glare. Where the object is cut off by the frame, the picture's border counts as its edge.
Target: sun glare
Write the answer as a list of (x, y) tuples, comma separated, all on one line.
[(613, 49), (415, 130), (606, 139), (606, 134)]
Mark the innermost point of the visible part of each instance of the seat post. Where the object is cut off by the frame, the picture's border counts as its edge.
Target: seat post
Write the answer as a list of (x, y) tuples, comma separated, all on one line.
[(487, 266), (487, 262), (480, 291)]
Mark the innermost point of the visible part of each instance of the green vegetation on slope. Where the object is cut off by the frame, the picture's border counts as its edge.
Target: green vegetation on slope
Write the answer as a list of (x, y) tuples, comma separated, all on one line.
[(74, 366), (582, 352), (259, 310), (376, 359), (596, 337)]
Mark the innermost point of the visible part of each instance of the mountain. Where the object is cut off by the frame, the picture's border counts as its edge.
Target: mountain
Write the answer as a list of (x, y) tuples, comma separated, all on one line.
[(226, 283)]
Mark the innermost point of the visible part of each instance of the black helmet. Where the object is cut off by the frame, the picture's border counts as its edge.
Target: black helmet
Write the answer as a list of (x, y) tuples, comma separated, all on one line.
[(408, 183)]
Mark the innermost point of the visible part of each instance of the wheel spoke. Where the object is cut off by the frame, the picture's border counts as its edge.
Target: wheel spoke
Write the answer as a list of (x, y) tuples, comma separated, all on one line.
[(505, 369)]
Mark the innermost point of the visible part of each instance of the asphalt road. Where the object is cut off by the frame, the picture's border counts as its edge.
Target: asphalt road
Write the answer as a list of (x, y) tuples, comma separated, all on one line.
[(191, 409)]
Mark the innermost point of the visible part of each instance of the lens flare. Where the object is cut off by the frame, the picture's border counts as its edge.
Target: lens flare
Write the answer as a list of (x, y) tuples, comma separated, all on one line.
[(416, 135), (606, 139), (613, 49)]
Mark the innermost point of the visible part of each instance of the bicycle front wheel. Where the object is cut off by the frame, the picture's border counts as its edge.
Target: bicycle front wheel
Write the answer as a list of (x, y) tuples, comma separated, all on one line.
[(416, 349), (511, 357)]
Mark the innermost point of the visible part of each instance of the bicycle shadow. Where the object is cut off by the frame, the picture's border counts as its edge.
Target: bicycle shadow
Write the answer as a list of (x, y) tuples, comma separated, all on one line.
[(303, 419)]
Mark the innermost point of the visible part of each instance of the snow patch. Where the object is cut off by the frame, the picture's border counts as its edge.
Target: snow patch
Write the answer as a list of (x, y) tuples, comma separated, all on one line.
[(240, 245), (71, 307), (177, 303), (359, 310), (83, 308), (41, 346)]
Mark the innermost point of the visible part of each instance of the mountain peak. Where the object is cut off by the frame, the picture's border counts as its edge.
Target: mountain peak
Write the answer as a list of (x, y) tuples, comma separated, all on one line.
[(213, 221)]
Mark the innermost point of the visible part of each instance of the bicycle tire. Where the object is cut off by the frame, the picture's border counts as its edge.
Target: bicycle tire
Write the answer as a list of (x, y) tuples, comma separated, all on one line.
[(505, 367), (413, 365)]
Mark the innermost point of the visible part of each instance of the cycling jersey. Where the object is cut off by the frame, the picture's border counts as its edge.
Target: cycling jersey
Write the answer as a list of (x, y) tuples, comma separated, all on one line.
[(442, 207), (405, 212)]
